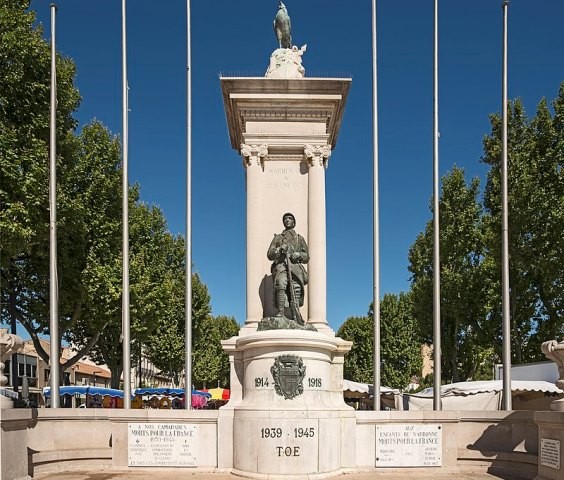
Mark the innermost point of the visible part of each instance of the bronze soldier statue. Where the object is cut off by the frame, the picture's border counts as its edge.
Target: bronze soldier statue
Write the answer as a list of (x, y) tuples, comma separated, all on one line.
[(288, 252)]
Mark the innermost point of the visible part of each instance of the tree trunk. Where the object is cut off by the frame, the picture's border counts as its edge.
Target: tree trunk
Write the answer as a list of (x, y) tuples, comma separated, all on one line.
[(14, 359), (517, 350), (116, 370), (454, 358)]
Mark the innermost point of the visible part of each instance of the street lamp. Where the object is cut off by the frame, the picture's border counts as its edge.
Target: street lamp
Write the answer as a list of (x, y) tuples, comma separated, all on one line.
[(94, 374)]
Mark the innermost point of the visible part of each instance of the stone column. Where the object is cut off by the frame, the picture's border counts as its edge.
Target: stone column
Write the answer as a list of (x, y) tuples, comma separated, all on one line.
[(317, 157), (253, 156)]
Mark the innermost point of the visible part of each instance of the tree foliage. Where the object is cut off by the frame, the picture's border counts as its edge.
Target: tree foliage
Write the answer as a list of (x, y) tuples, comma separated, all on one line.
[(470, 241), (359, 361), (89, 223), (166, 347), (400, 347), (210, 363), (536, 223), (464, 323), (401, 358), (24, 212)]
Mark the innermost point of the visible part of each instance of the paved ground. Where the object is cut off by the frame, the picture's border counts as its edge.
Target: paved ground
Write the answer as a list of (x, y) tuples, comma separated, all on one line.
[(183, 474)]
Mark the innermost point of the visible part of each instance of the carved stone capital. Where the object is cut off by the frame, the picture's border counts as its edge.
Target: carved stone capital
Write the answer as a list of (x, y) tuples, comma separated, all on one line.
[(253, 154), (317, 155)]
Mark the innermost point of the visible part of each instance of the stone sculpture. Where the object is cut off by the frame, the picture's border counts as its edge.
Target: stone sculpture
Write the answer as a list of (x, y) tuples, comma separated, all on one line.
[(9, 344), (554, 351), (286, 60), (288, 252), (283, 27), (286, 63)]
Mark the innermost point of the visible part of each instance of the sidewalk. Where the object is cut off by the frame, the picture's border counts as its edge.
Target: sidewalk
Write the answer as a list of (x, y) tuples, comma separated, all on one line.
[(183, 474)]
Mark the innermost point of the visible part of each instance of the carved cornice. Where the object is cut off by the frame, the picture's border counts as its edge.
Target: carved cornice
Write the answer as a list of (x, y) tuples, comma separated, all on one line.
[(317, 155), (253, 154), (289, 113), (292, 157)]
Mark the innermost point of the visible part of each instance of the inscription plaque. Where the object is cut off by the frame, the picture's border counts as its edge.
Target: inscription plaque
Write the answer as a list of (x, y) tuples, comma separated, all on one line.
[(289, 445), (404, 445), (550, 453), (284, 178), (162, 445)]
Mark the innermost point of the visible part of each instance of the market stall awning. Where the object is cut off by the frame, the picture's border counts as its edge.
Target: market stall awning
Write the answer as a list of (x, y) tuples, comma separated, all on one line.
[(363, 390), (218, 393), (169, 392), (84, 390), (485, 395)]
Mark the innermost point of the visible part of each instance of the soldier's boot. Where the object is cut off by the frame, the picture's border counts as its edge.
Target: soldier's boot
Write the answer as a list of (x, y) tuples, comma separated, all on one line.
[(280, 302)]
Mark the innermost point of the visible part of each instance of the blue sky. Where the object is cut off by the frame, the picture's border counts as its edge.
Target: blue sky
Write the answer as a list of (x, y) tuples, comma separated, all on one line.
[(237, 37)]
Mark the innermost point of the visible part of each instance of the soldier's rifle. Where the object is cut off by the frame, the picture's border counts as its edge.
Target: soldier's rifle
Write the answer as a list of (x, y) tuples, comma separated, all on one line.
[(293, 306)]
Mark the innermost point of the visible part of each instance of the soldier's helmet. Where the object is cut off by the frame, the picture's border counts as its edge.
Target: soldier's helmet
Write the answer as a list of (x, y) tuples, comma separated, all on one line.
[(288, 214)]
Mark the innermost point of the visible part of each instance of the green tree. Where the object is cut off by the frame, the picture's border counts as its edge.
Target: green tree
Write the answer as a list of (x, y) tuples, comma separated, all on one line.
[(86, 196), (400, 347), (536, 224), (156, 288), (166, 348), (465, 329), (89, 218), (24, 130), (401, 358), (210, 362), (359, 361)]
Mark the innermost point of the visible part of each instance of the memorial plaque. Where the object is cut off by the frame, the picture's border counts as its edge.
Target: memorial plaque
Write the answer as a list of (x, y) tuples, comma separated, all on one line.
[(415, 445), (290, 445), (550, 453), (162, 445)]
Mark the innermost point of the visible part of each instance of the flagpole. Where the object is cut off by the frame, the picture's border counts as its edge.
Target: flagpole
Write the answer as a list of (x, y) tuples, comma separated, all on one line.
[(376, 221), (53, 279), (506, 330), (188, 286), (126, 334), (436, 228)]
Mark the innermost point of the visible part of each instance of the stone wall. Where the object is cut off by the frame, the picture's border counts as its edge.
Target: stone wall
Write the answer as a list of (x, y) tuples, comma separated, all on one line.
[(494, 442), (34, 441)]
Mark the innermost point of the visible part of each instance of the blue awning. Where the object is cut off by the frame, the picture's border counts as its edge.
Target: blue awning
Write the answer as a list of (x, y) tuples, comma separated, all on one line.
[(169, 392), (84, 390)]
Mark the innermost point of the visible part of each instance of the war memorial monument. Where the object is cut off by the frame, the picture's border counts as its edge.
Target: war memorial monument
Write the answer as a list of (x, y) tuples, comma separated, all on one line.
[(286, 418)]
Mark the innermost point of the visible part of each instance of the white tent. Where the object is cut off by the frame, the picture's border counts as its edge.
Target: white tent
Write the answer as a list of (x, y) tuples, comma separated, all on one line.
[(356, 390), (485, 395)]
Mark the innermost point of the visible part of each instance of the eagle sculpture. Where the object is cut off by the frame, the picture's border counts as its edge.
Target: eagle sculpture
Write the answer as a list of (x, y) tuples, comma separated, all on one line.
[(282, 27)]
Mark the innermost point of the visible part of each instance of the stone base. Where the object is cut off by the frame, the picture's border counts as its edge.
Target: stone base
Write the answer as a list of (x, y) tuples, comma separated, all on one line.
[(550, 460), (6, 402), (282, 323), (286, 63), (287, 410), (557, 405), (294, 443)]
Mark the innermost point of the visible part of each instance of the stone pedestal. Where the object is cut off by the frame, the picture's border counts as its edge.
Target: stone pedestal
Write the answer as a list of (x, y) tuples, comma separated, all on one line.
[(286, 416), (550, 445), (9, 344), (285, 130), (555, 351), (287, 410)]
